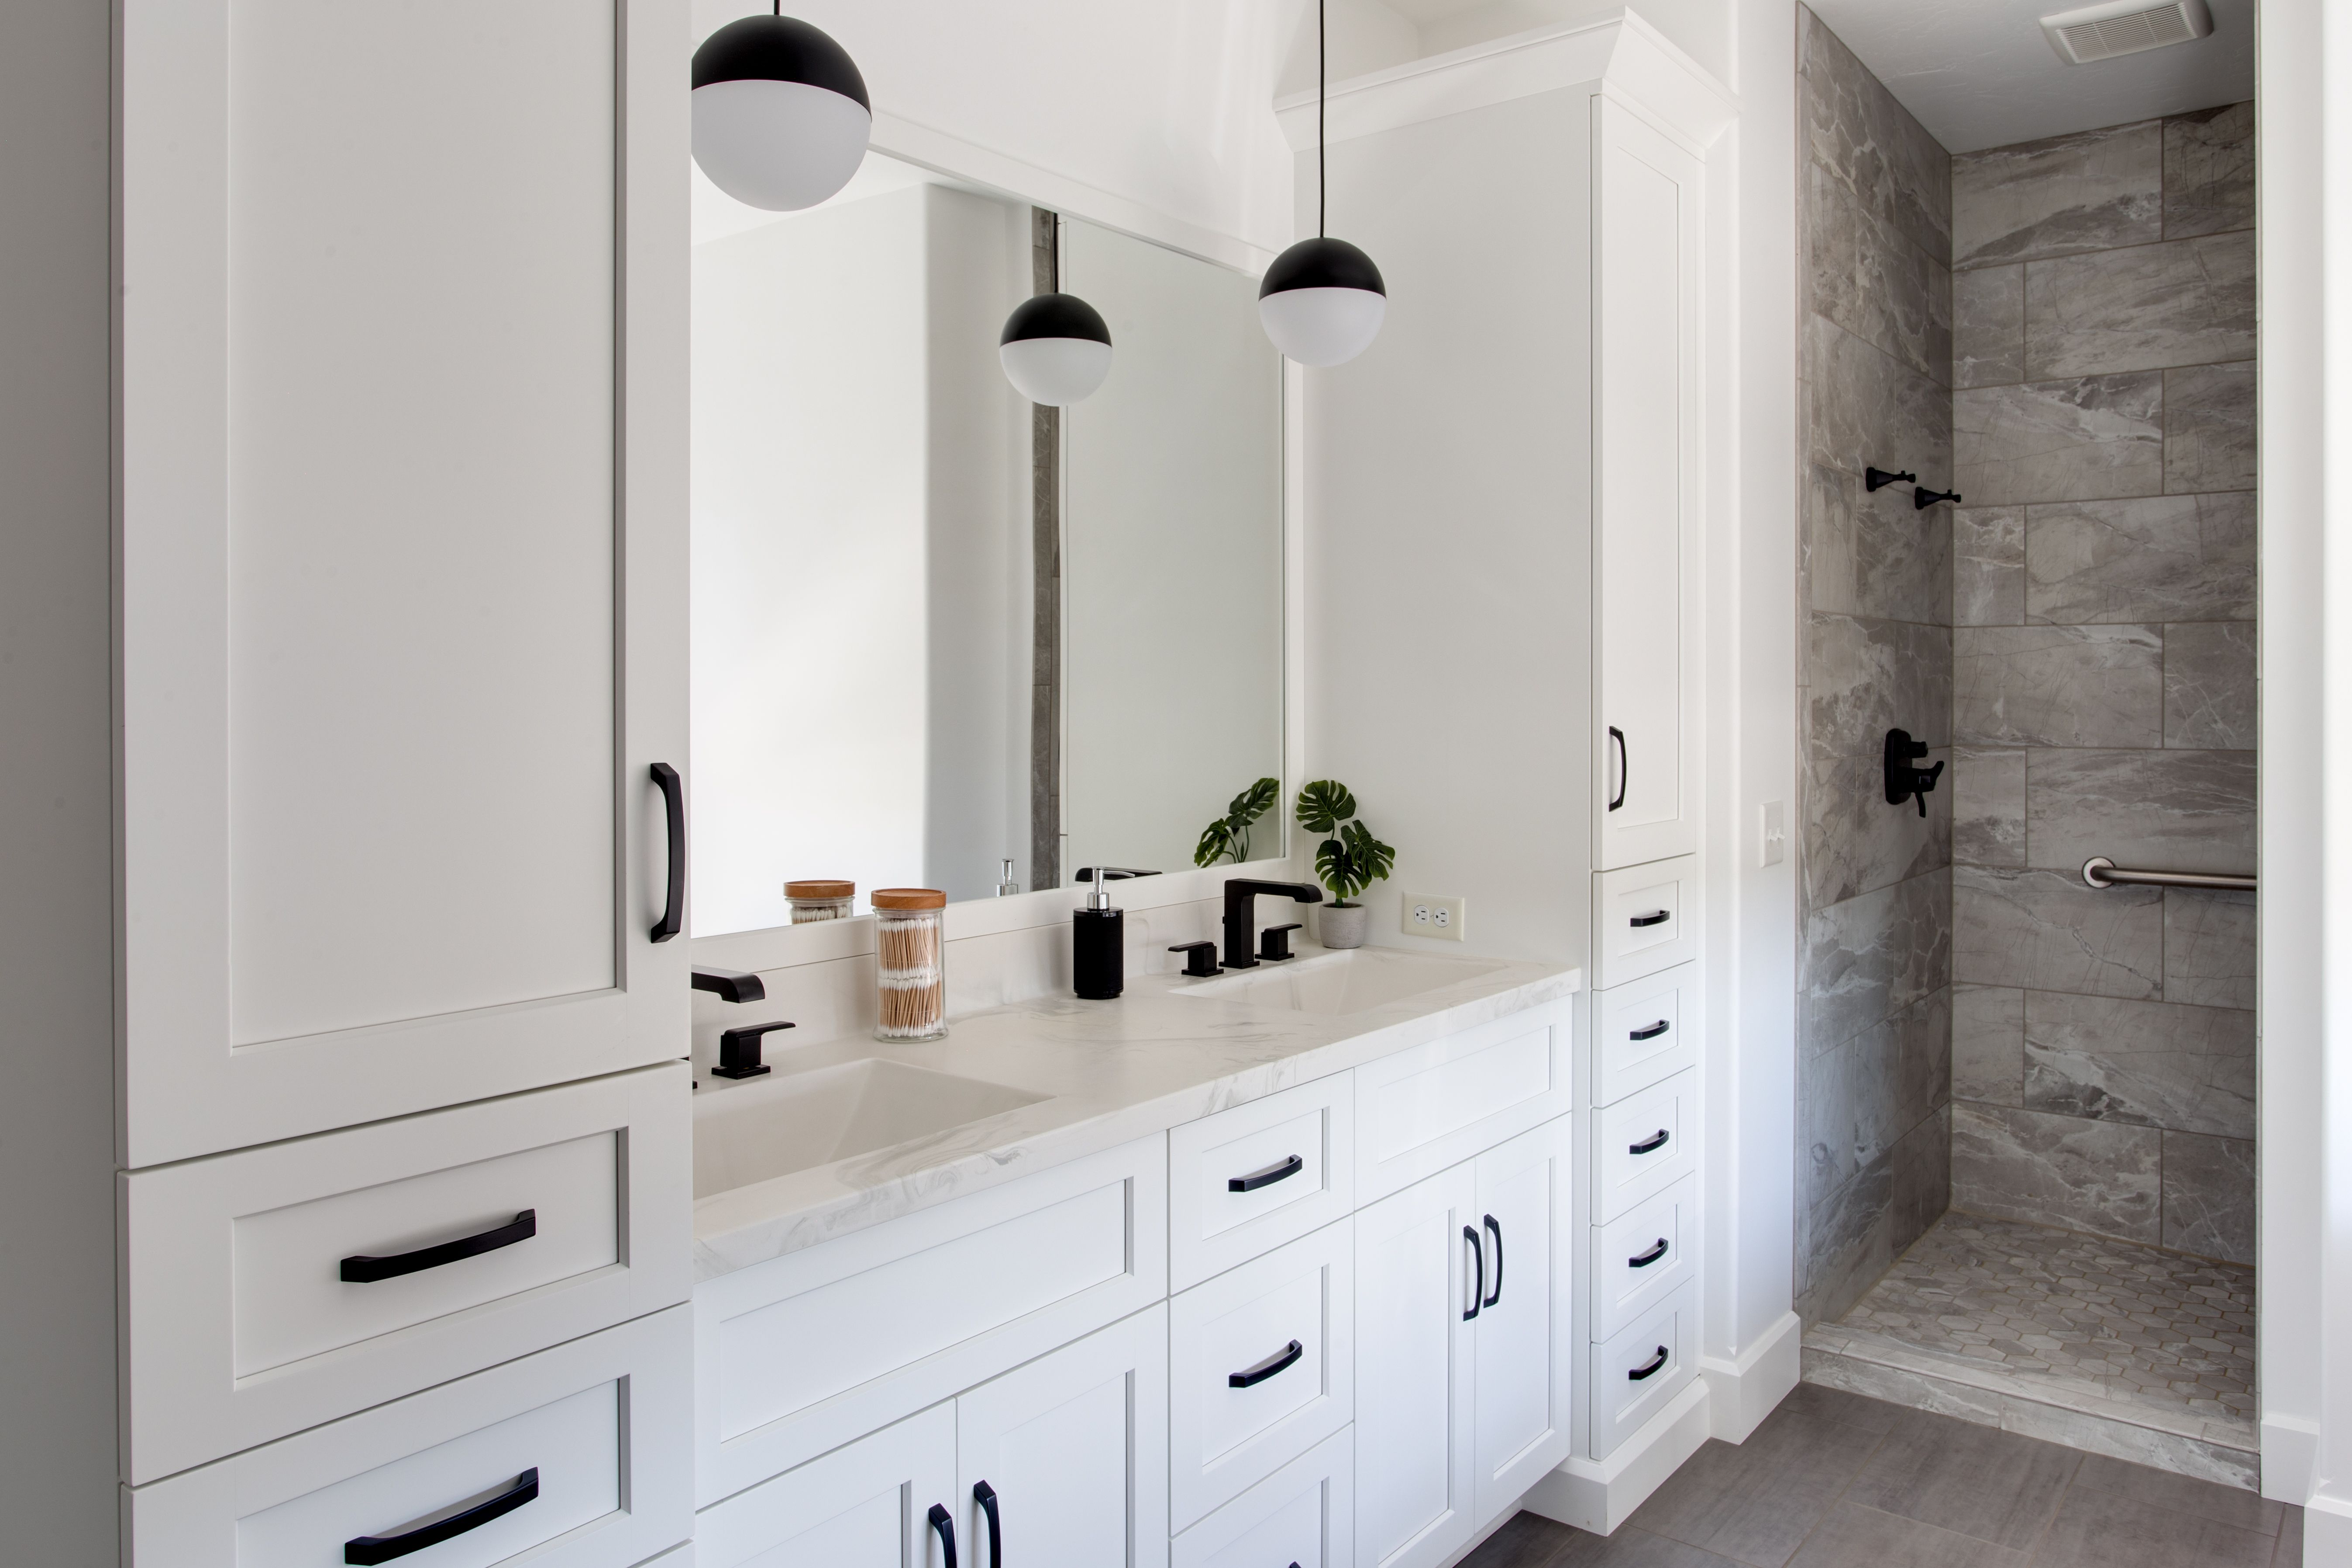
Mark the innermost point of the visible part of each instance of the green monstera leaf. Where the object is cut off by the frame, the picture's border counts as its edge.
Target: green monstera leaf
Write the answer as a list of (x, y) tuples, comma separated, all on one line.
[(1324, 805), (1373, 860), (1216, 843), (1350, 859), (1252, 803), (1228, 837)]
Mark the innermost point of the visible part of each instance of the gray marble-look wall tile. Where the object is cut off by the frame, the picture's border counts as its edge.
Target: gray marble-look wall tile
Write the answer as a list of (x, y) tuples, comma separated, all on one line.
[(1867, 675), (1825, 557), (2092, 190), (2084, 440), (2208, 1195), (1846, 1100), (1855, 129), (2208, 948), (1874, 281), (1847, 1243), (2058, 685), (2208, 429), (1988, 326), (1873, 553), (2154, 1063), (1923, 1060), (2183, 302), (2150, 558), (1988, 566), (1855, 842), (2098, 1176), (1921, 1179), (2044, 931), (2187, 810), (2209, 684), (2209, 171), (1989, 806), (1870, 957), (1864, 407), (1989, 1044)]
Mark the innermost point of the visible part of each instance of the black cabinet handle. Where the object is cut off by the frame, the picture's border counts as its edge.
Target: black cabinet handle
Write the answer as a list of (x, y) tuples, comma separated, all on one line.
[(1643, 1259), (944, 1522), (1656, 1366), (384, 1548), (1648, 1145), (365, 1270), (673, 807), (1280, 1171), (1479, 1270), (985, 1495), (1496, 1226), (1282, 1360), (1654, 918), (1651, 1032), (1625, 766)]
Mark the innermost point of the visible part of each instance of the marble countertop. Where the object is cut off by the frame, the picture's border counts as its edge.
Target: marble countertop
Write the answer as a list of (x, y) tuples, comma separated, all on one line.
[(1107, 1072)]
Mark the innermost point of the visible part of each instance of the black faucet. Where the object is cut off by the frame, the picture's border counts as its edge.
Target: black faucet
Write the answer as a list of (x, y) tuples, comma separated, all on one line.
[(731, 985), (1241, 914)]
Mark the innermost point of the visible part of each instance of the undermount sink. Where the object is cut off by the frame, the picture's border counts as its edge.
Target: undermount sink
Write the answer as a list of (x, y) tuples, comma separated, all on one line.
[(1337, 982), (791, 1122)]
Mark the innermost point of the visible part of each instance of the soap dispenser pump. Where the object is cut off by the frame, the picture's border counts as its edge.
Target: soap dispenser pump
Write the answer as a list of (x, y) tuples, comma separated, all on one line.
[(1099, 940)]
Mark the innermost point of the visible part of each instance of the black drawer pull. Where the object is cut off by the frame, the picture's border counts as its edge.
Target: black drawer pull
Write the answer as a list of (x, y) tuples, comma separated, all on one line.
[(1654, 918), (384, 1548), (1281, 1172), (365, 1270), (1656, 1366), (1282, 1360), (1496, 1226), (1643, 1259), (944, 1522), (1625, 766), (1651, 1032), (1477, 1270), (1648, 1145), (674, 814), (985, 1495)]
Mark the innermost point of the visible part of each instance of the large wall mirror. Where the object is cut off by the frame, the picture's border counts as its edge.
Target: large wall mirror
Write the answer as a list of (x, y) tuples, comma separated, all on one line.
[(935, 626)]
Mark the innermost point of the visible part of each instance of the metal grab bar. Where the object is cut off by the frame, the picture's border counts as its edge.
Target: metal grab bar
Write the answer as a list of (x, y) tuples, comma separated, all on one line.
[(2099, 871)]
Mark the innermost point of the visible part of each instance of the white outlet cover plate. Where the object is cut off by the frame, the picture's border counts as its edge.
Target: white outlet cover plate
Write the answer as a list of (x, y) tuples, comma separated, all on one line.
[(1441, 919)]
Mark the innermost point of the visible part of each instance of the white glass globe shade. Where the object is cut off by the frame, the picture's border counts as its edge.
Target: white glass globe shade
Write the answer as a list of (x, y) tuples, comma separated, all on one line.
[(1323, 327), (1055, 370), (777, 145)]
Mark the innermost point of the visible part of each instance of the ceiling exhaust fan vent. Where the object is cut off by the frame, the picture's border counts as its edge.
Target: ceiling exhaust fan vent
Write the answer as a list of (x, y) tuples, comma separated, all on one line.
[(2124, 28)]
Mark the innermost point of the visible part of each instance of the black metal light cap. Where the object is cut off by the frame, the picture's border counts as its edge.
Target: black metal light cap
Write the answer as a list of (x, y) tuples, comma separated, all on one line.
[(778, 49), (1321, 263), (1055, 316)]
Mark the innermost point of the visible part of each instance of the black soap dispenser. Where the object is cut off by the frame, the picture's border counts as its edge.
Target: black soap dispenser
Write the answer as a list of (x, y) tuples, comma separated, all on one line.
[(1098, 941)]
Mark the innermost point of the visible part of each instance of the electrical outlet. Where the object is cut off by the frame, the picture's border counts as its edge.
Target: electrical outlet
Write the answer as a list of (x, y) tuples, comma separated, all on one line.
[(1440, 918), (1771, 833)]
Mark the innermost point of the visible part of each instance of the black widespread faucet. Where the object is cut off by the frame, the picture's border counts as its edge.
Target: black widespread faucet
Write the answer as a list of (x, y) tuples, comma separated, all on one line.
[(1241, 914)]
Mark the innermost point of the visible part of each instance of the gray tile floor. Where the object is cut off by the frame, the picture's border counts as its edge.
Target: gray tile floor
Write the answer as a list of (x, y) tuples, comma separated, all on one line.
[(1832, 1479)]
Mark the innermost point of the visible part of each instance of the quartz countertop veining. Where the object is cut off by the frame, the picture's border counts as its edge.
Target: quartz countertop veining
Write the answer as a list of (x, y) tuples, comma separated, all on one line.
[(1095, 1075)]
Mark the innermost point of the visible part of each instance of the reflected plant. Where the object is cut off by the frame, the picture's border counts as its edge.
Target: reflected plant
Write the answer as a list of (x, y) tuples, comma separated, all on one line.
[(1228, 837), (1349, 859)]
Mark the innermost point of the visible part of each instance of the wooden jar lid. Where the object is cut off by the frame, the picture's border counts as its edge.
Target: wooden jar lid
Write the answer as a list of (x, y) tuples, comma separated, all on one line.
[(819, 890), (908, 898)]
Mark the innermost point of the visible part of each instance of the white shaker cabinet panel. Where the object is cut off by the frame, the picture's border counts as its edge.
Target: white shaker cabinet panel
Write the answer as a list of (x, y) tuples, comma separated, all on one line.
[(1428, 1106), (1643, 1144), (1643, 1256), (1643, 1367), (868, 1505), (1522, 1352), (1417, 1283), (1302, 1516), (402, 556), (1249, 1179), (1643, 1031), (1642, 919)]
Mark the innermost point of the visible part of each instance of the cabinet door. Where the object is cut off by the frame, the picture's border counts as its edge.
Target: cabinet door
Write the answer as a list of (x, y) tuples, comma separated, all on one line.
[(867, 1505), (1071, 1452), (1521, 1335), (401, 555), (1416, 1280), (1647, 194)]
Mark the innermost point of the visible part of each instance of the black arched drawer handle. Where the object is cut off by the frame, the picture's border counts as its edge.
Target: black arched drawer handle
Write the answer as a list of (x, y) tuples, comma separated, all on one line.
[(1648, 1145), (1636, 1375), (985, 1495), (944, 1522), (1281, 1172), (1654, 918), (1280, 1360), (1497, 1299), (365, 1270), (1625, 766), (1643, 1259), (1477, 1270), (673, 794), (1651, 1032), (384, 1548)]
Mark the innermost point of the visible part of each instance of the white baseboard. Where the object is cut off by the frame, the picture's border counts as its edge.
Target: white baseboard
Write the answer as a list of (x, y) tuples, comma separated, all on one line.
[(2290, 1458), (1747, 1390), (2326, 1532), (1601, 1495)]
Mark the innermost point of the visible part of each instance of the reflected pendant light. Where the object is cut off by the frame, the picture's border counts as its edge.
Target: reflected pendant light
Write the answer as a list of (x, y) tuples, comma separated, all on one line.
[(1322, 301), (1056, 349), (781, 116)]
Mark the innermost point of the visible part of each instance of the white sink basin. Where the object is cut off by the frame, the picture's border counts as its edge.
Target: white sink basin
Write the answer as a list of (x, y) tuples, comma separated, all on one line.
[(790, 1122), (1337, 983)]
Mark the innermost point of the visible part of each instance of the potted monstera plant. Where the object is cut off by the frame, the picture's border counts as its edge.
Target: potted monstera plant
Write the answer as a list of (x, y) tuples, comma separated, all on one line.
[(1348, 860)]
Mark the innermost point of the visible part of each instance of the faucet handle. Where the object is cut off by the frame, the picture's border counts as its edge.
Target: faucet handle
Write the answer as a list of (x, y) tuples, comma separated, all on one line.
[(739, 1050), (1274, 942), (1200, 958)]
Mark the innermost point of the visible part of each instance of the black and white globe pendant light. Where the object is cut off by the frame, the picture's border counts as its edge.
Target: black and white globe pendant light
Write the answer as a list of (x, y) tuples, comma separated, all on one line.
[(1322, 301), (1056, 349), (780, 115)]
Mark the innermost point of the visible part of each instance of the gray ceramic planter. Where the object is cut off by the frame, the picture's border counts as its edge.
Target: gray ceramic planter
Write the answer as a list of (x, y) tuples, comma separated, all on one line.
[(1342, 925)]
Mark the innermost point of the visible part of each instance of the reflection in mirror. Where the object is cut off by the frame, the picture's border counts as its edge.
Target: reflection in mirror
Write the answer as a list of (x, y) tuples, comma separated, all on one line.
[(935, 628)]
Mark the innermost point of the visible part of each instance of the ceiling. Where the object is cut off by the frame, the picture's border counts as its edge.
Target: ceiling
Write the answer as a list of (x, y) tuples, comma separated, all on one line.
[(1979, 73)]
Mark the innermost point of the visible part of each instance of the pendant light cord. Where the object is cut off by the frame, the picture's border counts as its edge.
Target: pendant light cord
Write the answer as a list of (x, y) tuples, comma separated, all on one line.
[(1322, 180)]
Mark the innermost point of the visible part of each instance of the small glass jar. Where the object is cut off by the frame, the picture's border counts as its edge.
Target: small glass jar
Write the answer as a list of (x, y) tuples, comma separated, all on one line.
[(910, 962), (821, 901)]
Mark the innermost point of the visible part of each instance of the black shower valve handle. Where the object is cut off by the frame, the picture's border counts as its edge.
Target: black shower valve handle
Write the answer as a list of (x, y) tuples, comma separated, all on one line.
[(1879, 479), (1905, 780), (1922, 498)]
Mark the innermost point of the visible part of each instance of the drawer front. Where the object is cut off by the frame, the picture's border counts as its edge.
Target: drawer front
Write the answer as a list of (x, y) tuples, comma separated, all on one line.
[(579, 1442), (864, 1505), (1638, 919), (908, 1313), (1643, 1144), (1429, 1107), (274, 1288), (1285, 1324), (1643, 1256), (1291, 1155), (1304, 1514), (1643, 1031), (1641, 1367)]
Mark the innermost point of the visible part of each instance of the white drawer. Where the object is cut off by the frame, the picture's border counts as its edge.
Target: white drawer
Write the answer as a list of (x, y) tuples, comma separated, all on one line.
[(1638, 919), (1284, 1323), (1432, 1106), (1302, 1516), (597, 1419), (1643, 1031), (822, 1346), (1258, 1175), (1643, 1144), (1643, 1256), (866, 1503), (1641, 1367), (679, 1556), (249, 1311)]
